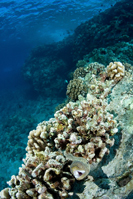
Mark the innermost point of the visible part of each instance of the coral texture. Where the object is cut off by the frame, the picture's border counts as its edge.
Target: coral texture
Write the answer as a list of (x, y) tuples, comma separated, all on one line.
[(81, 130), (81, 63), (115, 70), (41, 176), (79, 72), (82, 77), (75, 88), (121, 51), (49, 63), (104, 30)]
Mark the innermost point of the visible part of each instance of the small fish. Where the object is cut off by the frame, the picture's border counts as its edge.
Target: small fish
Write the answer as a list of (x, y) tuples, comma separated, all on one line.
[(66, 81)]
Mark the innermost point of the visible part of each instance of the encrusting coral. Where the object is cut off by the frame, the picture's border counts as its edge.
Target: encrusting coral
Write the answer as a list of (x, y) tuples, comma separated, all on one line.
[(83, 129)]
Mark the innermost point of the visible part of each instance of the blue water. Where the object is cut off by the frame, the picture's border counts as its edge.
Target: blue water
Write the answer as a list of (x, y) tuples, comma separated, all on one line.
[(23, 26), (26, 24)]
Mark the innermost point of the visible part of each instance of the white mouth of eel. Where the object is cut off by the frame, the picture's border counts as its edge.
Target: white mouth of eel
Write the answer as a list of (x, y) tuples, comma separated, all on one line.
[(78, 173), (79, 169)]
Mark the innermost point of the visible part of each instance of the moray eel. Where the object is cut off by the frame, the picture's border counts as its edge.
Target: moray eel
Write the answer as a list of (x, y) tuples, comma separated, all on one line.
[(79, 169)]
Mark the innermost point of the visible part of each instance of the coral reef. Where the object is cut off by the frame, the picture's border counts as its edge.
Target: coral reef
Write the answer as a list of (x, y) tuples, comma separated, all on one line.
[(94, 68), (82, 129), (106, 29), (81, 63), (82, 77), (79, 72), (76, 143), (42, 173), (75, 88), (39, 175), (87, 122), (57, 108), (104, 38), (122, 51), (114, 177), (77, 128), (115, 70)]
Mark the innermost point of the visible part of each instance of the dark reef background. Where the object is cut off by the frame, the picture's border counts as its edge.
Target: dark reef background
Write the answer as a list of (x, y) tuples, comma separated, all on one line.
[(40, 45)]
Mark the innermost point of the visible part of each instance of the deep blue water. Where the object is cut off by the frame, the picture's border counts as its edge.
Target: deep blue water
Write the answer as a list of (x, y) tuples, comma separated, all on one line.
[(26, 24), (23, 26)]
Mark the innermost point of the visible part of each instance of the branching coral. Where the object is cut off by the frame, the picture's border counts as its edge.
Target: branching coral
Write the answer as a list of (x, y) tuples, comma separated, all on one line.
[(87, 129), (41, 176), (115, 70), (83, 129)]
